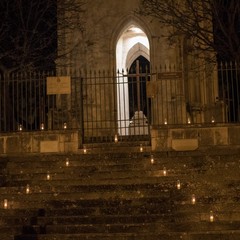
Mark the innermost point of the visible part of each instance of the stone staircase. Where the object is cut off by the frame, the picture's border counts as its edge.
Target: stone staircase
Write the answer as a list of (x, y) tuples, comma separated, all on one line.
[(121, 195)]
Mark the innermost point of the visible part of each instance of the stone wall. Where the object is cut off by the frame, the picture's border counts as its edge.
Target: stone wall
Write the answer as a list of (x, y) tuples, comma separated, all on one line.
[(195, 137), (39, 142), (188, 138)]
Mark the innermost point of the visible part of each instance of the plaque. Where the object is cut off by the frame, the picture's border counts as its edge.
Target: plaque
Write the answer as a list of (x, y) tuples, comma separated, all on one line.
[(58, 85), (151, 89), (169, 75)]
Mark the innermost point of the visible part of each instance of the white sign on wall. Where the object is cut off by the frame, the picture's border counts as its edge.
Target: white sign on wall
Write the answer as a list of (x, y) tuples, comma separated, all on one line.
[(58, 85)]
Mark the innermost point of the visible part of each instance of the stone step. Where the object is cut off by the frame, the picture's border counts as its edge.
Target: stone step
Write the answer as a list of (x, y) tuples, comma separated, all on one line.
[(10, 230), (92, 174), (155, 227), (84, 159), (220, 155), (121, 195), (51, 191), (99, 208), (175, 167), (8, 236), (128, 184), (103, 160), (223, 235), (59, 200), (14, 220), (106, 219), (45, 199), (229, 171), (138, 207), (177, 217), (228, 179), (68, 185)]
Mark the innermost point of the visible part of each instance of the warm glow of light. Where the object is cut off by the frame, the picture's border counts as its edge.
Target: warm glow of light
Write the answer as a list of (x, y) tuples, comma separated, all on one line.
[(152, 159), (65, 125), (42, 126), (27, 189), (48, 176), (211, 217), (178, 184), (189, 120), (213, 120), (141, 148), (164, 171), (135, 30), (5, 203), (165, 121), (193, 199), (67, 162), (20, 127), (116, 138), (132, 43), (84, 150)]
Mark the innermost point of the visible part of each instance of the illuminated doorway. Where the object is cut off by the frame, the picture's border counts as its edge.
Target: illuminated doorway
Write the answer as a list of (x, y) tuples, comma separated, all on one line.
[(132, 45)]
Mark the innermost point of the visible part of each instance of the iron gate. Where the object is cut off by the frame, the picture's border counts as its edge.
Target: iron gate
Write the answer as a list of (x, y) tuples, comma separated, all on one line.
[(107, 106), (115, 107)]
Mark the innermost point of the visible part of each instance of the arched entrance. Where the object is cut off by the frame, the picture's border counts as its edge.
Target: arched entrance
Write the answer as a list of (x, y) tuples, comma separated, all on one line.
[(138, 97), (132, 60)]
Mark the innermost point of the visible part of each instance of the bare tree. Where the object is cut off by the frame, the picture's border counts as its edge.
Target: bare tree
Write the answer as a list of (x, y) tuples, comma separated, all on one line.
[(30, 36), (209, 29), (211, 26), (29, 31)]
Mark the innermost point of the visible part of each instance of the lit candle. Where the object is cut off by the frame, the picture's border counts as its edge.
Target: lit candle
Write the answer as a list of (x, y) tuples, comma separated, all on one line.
[(20, 127), (178, 184), (65, 125), (48, 176), (164, 171), (141, 148), (213, 120), (27, 189), (84, 150), (116, 138), (5, 203), (67, 162), (152, 159), (211, 217), (193, 199), (165, 121), (189, 120), (42, 126)]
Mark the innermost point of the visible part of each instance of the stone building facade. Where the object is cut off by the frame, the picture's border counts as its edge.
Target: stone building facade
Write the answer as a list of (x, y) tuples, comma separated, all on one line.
[(180, 87)]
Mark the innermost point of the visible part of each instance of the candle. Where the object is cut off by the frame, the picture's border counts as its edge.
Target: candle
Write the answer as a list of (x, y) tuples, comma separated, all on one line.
[(152, 159), (164, 171), (5, 203), (67, 162), (193, 199), (27, 189), (178, 184), (42, 126)]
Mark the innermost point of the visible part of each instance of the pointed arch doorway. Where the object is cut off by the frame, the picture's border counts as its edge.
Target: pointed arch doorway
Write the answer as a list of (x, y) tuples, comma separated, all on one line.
[(133, 61), (137, 86)]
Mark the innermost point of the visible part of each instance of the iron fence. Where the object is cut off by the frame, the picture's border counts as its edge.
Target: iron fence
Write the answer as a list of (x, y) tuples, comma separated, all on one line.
[(106, 105), (229, 90)]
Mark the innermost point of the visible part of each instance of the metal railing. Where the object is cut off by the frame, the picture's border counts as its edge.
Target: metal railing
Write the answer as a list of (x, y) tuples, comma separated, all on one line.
[(23, 101), (105, 104), (229, 90)]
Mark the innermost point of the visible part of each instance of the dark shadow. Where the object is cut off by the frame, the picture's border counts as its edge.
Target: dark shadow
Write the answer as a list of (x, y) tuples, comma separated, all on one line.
[(28, 233), (144, 104)]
